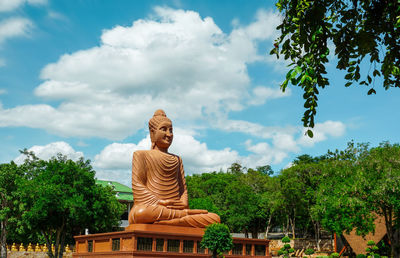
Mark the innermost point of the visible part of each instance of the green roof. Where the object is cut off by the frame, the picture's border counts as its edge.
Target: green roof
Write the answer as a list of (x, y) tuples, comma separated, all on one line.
[(124, 193), (118, 187), (125, 196)]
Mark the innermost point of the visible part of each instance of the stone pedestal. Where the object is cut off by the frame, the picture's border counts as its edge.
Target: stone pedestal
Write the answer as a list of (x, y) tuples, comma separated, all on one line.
[(152, 240)]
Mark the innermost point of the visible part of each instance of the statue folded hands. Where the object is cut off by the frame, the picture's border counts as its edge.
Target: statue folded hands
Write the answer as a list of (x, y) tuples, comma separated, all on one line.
[(158, 183)]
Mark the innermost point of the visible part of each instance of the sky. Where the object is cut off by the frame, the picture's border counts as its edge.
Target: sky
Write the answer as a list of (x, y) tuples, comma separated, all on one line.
[(84, 77)]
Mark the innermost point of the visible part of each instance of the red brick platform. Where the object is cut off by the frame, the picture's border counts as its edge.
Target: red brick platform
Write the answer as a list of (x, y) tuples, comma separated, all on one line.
[(150, 240)]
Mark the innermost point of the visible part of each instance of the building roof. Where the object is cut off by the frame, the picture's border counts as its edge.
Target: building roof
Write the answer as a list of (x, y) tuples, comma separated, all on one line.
[(123, 192), (118, 187)]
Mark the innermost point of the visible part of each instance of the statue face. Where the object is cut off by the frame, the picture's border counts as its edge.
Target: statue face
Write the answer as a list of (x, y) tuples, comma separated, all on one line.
[(163, 135)]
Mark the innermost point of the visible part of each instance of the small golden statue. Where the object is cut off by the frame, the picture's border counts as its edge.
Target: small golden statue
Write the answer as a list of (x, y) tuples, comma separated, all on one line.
[(21, 248), (37, 248), (30, 248)]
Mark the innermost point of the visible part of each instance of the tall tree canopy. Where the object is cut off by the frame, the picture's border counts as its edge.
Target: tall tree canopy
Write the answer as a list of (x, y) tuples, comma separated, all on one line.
[(10, 175), (358, 30), (61, 199), (366, 184)]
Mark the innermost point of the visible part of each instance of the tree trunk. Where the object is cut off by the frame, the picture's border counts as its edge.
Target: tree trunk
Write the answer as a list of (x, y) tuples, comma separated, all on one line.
[(214, 254), (48, 244), (294, 224), (392, 233), (287, 226), (395, 243), (317, 235), (3, 252), (59, 242), (61, 252), (268, 226), (254, 234)]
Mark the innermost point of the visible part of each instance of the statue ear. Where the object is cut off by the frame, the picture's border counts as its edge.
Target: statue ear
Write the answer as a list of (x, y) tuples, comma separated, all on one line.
[(151, 134)]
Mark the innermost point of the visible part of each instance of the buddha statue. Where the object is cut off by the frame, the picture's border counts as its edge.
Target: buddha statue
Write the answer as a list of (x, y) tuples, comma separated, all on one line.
[(158, 183)]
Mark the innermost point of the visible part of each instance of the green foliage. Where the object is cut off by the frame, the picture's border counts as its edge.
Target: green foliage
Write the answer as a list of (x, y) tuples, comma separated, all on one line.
[(334, 255), (309, 251), (217, 239), (10, 175), (61, 199), (360, 33), (241, 199), (372, 249), (285, 239), (340, 191), (367, 184), (286, 250), (361, 256)]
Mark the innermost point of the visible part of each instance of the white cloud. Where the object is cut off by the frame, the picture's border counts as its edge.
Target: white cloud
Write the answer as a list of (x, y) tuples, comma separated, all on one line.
[(56, 15), (263, 153), (2, 62), (322, 131), (9, 5), (254, 129), (3, 91), (14, 27), (119, 155), (284, 140), (50, 150), (175, 60), (261, 94)]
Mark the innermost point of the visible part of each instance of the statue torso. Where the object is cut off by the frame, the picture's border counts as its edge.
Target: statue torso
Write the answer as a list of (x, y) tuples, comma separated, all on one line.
[(162, 174)]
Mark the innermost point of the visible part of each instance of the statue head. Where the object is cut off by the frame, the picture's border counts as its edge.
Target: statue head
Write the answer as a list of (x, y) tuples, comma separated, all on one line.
[(160, 127)]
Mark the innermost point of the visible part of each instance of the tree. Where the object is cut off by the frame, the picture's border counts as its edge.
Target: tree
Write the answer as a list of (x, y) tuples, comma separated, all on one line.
[(300, 184), (10, 175), (273, 201), (358, 30), (286, 250), (217, 239), (241, 207), (256, 181), (366, 184), (61, 198)]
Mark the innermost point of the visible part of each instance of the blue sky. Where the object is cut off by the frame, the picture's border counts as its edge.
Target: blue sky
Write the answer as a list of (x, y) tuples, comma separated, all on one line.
[(84, 77)]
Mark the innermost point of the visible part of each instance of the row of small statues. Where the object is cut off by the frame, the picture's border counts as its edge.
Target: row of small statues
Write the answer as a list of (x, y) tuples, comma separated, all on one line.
[(38, 248)]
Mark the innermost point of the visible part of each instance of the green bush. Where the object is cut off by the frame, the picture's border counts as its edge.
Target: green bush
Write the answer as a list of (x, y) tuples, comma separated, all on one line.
[(286, 239), (309, 251), (361, 256), (286, 249), (334, 255), (217, 239)]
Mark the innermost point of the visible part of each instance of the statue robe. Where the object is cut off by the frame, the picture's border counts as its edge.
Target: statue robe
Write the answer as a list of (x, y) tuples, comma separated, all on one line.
[(160, 176)]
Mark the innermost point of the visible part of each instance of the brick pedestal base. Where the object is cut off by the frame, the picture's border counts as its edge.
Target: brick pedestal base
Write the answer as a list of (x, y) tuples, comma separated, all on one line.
[(151, 240)]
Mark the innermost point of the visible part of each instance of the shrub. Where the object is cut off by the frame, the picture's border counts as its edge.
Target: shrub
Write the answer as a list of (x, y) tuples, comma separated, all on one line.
[(217, 239), (286, 249), (309, 251)]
